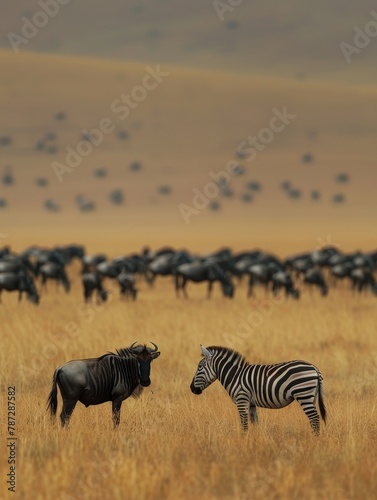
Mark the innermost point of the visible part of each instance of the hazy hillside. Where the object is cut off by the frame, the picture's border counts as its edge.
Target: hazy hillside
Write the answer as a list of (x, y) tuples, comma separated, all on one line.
[(289, 39), (190, 125)]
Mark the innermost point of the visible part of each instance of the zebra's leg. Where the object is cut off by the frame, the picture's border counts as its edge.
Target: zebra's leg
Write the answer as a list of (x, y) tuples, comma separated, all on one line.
[(253, 414), (116, 406), (68, 407), (308, 405), (243, 406)]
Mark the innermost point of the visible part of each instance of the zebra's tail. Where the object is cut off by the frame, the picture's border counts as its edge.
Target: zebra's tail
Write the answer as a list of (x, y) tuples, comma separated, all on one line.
[(52, 401), (321, 403)]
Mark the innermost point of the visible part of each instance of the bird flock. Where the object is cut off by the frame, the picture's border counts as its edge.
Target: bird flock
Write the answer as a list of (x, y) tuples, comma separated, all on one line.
[(323, 269)]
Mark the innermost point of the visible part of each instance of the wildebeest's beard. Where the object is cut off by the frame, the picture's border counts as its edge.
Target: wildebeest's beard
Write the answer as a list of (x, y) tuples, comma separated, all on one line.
[(145, 370)]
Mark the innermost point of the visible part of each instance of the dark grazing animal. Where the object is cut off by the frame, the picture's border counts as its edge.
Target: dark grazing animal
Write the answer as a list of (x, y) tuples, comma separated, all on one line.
[(261, 273), (283, 280), (314, 277), (111, 377), (55, 272), (263, 386), (71, 251), (127, 285), (92, 282), (198, 273), (90, 262), (167, 264), (47, 256), (362, 279), (20, 282)]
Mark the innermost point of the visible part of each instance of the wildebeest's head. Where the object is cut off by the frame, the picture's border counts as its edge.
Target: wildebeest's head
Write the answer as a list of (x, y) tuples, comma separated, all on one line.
[(103, 294), (145, 355)]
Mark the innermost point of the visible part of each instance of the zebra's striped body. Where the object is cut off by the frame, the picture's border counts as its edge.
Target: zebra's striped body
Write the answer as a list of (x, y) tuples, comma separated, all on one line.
[(265, 386)]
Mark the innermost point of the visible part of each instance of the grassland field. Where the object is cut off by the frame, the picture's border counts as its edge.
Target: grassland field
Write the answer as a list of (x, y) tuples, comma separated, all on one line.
[(170, 443)]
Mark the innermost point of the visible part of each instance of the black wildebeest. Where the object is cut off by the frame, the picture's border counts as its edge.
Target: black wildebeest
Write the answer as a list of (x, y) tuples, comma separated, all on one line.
[(90, 262), (111, 377), (21, 282), (167, 264), (283, 279), (362, 279), (13, 263), (315, 277), (92, 282), (56, 272), (199, 272), (261, 273), (71, 251), (341, 271), (127, 285)]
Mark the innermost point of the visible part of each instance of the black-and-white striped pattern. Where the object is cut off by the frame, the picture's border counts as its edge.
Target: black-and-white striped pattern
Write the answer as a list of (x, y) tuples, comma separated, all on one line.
[(265, 386)]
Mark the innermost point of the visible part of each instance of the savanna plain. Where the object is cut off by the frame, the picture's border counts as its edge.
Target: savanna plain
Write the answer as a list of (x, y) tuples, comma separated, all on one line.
[(172, 444)]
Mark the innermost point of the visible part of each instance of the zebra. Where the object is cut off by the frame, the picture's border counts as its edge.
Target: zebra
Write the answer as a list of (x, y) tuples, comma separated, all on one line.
[(264, 386), (112, 377)]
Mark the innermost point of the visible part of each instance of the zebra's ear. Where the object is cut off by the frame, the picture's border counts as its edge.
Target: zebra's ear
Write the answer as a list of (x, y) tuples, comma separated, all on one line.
[(205, 351)]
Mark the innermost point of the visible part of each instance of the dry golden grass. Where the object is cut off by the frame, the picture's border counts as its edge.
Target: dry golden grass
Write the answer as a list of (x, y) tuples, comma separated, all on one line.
[(172, 444)]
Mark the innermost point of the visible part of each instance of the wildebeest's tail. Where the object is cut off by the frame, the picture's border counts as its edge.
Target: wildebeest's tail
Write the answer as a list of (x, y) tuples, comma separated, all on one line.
[(321, 403), (52, 401)]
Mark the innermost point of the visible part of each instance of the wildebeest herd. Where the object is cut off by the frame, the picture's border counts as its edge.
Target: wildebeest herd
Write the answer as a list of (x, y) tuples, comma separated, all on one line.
[(30, 271)]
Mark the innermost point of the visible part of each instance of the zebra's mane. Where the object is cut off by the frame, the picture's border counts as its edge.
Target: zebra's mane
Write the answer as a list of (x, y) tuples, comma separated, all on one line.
[(238, 358)]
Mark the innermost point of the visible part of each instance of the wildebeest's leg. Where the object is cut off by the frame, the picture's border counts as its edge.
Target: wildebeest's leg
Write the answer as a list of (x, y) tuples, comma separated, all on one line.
[(210, 285), (19, 295), (177, 285), (68, 407), (117, 404), (250, 286), (184, 283)]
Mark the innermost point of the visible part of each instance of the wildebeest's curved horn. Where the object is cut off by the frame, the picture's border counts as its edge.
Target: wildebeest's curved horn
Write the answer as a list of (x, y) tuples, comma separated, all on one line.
[(155, 348), (136, 350)]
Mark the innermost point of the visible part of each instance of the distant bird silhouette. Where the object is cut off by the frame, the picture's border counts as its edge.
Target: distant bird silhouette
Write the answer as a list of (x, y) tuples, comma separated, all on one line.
[(84, 204), (41, 181), (342, 178), (8, 178), (52, 206), (135, 166)]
